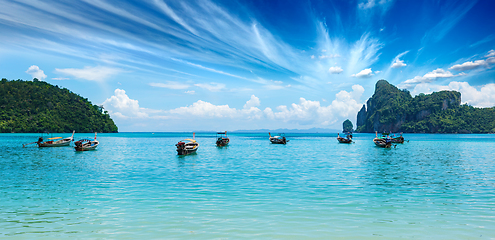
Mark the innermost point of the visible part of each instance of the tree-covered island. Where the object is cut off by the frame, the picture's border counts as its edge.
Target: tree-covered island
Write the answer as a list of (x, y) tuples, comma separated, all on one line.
[(36, 106), (394, 110)]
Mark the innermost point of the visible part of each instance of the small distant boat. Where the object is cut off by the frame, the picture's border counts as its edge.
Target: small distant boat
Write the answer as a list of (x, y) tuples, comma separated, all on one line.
[(222, 141), (54, 141), (397, 139), (86, 144), (347, 139), (278, 139), (187, 146), (384, 141)]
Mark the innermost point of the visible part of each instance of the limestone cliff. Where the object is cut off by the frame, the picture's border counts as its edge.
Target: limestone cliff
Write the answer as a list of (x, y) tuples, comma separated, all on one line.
[(394, 110)]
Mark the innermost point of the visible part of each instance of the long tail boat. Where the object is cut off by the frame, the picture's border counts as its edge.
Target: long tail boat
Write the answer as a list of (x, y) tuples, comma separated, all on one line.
[(278, 139), (221, 140), (347, 139), (384, 141), (86, 144), (187, 146), (53, 141)]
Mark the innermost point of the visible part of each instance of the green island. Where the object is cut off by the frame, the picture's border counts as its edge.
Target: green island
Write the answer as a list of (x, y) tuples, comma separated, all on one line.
[(347, 126), (394, 110), (36, 106)]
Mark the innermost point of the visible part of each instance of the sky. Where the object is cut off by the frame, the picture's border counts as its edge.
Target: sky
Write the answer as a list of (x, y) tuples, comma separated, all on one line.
[(207, 65)]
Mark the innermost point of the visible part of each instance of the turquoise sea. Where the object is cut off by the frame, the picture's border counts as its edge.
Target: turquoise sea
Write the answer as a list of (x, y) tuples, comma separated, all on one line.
[(136, 187)]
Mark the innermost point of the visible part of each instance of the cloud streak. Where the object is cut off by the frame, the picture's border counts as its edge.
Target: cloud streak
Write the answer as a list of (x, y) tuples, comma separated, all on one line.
[(98, 73)]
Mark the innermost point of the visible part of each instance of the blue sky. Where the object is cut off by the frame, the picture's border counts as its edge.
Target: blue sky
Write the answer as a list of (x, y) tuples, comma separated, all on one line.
[(227, 65)]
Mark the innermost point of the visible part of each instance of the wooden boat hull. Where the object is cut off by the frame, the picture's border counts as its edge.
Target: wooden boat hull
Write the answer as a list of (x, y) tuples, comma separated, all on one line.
[(51, 144), (398, 139), (380, 142), (85, 145), (90, 148), (221, 142), (186, 151), (278, 141), (186, 148), (344, 140)]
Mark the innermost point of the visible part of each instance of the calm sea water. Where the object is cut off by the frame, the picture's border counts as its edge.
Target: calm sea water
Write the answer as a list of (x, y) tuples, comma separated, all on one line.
[(136, 187)]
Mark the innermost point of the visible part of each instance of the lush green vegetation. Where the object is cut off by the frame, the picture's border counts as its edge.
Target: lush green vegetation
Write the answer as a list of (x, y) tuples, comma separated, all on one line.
[(394, 110), (36, 106), (464, 119), (347, 126)]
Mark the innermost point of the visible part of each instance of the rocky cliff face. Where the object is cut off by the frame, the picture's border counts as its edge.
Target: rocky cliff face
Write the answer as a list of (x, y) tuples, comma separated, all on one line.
[(361, 116), (390, 108)]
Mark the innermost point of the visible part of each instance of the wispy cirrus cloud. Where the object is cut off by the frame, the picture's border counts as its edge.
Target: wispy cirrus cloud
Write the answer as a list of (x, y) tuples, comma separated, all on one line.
[(397, 63), (171, 85), (212, 87), (98, 73), (453, 13)]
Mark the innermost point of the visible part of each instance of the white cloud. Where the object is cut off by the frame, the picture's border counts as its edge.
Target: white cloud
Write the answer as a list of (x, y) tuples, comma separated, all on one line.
[(398, 63), (469, 65), (206, 109), (170, 85), (213, 87), (367, 5), (491, 53), (329, 56), (484, 97), (363, 54), (345, 105), (120, 105), (98, 73), (190, 92), (61, 78), (209, 110), (36, 72), (438, 73), (428, 77), (306, 112), (253, 102), (335, 70), (364, 73)]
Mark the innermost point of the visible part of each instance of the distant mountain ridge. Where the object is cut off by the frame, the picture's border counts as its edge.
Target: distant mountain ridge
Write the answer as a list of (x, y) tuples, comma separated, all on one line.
[(394, 110), (36, 106)]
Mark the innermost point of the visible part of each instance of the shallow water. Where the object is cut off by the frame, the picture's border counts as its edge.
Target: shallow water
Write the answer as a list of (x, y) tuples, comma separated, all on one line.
[(134, 186)]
